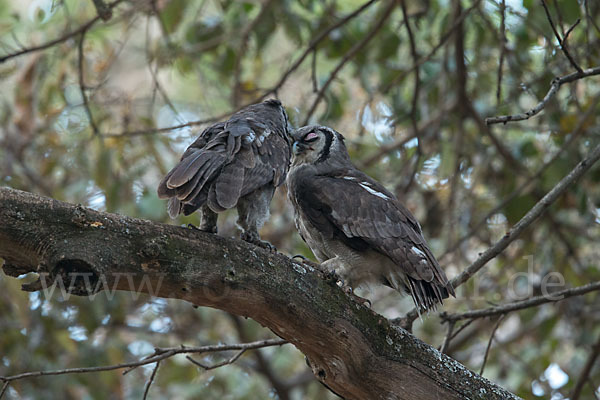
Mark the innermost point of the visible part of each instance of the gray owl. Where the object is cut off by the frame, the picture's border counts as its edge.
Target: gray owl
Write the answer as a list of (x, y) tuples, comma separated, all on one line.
[(354, 226), (236, 163)]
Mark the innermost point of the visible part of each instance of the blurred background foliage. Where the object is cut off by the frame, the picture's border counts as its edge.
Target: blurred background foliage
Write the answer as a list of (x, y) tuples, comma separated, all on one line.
[(421, 131)]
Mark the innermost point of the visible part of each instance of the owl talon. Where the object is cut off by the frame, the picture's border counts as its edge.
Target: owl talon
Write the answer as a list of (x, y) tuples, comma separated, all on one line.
[(202, 229), (255, 240), (308, 262)]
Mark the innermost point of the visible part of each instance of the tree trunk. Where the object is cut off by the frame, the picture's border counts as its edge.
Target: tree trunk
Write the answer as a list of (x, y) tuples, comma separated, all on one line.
[(351, 349)]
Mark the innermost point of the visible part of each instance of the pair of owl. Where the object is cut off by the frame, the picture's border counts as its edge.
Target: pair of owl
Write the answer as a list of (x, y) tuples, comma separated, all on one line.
[(353, 225)]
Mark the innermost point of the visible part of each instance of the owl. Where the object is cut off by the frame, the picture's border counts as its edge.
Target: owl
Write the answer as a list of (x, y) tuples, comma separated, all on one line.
[(354, 226), (236, 163)]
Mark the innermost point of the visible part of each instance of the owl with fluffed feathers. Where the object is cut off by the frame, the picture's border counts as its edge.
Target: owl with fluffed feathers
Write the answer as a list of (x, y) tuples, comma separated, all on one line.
[(236, 163), (354, 226)]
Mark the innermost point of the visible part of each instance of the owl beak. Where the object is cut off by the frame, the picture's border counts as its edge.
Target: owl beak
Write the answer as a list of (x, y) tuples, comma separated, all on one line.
[(298, 148)]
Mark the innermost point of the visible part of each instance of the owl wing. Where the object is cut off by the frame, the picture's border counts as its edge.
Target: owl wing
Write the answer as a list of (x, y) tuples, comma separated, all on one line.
[(356, 209), (227, 161)]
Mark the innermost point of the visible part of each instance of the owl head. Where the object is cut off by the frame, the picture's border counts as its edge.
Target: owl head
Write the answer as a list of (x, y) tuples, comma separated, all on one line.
[(316, 144)]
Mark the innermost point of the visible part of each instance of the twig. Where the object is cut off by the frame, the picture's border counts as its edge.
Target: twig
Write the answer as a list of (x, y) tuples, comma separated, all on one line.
[(311, 47), (447, 35), (451, 325), (313, 44), (4, 388), (572, 137), (220, 364), (554, 86), (158, 355), (489, 345), (83, 28), (537, 210), (86, 104), (562, 42), (502, 50), (349, 55), (245, 37), (157, 86), (585, 372), (313, 72), (147, 389), (523, 304)]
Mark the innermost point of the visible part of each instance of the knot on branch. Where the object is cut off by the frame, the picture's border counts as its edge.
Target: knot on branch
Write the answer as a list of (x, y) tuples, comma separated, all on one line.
[(82, 279)]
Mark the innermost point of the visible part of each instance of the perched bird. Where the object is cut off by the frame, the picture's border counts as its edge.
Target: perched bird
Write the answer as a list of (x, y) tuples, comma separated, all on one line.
[(236, 163), (354, 226)]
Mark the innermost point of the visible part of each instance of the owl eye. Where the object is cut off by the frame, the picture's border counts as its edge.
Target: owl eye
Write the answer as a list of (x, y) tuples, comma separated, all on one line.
[(311, 137)]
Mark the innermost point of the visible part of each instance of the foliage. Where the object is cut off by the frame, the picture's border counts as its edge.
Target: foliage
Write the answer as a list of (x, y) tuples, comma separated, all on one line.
[(159, 64)]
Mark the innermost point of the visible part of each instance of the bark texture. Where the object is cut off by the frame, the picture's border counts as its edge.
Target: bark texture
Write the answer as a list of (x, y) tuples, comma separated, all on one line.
[(351, 349)]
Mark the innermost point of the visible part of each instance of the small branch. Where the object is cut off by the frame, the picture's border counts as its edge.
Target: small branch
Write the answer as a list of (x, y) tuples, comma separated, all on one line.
[(245, 38), (554, 86), (447, 35), (147, 389), (562, 42), (523, 304), (537, 210), (313, 44), (451, 325), (489, 345), (83, 28), (502, 50), (217, 365), (4, 388), (313, 72), (159, 355), (573, 135), (86, 104), (585, 372), (417, 87), (348, 56)]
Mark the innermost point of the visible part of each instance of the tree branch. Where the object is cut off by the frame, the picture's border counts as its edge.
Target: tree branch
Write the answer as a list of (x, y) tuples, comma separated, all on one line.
[(83, 28), (585, 372), (93, 251), (160, 353), (349, 55), (554, 86), (537, 210), (521, 305), (562, 41)]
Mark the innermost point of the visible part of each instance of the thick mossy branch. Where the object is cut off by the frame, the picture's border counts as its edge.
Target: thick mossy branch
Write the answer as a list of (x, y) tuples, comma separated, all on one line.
[(351, 349)]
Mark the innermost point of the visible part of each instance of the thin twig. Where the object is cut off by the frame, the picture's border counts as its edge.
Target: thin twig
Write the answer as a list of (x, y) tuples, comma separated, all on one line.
[(147, 389), (313, 44), (562, 42), (349, 55), (537, 210), (489, 345), (83, 28), (502, 50), (572, 136), (585, 372), (245, 38), (313, 72), (447, 35), (417, 84), (523, 304), (554, 86), (451, 325), (86, 104), (158, 355), (4, 388), (273, 90), (230, 360)]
